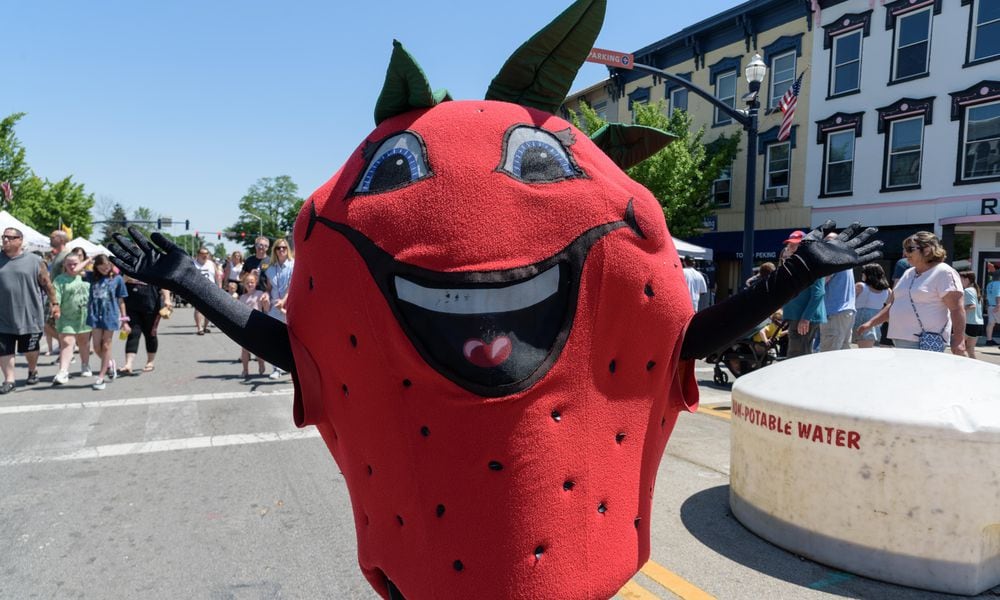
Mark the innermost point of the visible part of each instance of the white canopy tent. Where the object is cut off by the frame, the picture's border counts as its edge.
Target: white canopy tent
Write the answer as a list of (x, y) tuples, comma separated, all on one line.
[(88, 246), (688, 249), (33, 241)]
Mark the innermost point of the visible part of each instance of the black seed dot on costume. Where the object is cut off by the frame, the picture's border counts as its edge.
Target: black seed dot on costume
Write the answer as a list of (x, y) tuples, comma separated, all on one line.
[(637, 521), (367, 520), (620, 437), (611, 367), (439, 511), (458, 565), (539, 551), (649, 290), (407, 383), (370, 470), (310, 283), (399, 519), (556, 416), (650, 365), (568, 485), (425, 431), (354, 341), (601, 508), (495, 466), (346, 392)]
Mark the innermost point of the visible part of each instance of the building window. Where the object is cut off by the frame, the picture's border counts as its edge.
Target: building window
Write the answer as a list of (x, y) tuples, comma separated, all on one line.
[(838, 134), (601, 108), (722, 188), (782, 76), (678, 100), (845, 69), (912, 45), (984, 37), (725, 91), (839, 166), (638, 96), (906, 141), (777, 175), (981, 142)]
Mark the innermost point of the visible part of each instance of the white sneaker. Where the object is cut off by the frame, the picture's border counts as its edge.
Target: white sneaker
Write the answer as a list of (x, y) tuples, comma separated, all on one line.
[(86, 372), (99, 384), (61, 378), (112, 371), (275, 374)]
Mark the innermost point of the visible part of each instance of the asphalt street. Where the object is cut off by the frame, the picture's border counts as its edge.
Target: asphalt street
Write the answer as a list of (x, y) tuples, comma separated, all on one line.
[(187, 482)]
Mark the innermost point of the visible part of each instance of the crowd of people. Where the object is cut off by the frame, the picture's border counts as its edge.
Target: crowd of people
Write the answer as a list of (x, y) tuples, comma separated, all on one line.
[(928, 306), (79, 303)]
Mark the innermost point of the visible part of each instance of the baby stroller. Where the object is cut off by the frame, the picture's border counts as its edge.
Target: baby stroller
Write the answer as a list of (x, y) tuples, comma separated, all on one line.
[(745, 355)]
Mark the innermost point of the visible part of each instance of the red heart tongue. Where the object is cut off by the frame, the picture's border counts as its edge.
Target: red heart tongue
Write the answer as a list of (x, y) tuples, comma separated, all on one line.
[(488, 355)]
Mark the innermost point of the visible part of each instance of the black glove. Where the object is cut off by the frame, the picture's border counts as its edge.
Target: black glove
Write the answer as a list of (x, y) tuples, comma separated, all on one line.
[(167, 266), (720, 325)]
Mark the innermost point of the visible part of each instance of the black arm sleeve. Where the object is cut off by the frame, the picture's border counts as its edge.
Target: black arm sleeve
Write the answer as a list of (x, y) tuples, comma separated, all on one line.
[(719, 325), (259, 333)]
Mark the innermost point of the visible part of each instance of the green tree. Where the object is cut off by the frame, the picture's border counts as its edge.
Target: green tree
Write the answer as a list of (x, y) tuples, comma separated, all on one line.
[(115, 223), (270, 205), (219, 252), (187, 242), (42, 204), (144, 220), (680, 176)]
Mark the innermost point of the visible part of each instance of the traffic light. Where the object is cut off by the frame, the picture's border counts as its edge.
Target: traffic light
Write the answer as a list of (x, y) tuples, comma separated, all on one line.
[(187, 224), (196, 234), (243, 234), (159, 223), (218, 235)]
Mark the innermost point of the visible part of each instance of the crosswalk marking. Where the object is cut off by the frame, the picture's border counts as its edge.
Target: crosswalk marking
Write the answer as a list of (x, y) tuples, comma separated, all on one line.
[(722, 411), (26, 408), (210, 441)]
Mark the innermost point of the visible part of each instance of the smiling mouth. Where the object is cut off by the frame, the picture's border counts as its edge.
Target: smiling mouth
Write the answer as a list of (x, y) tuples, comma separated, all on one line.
[(493, 333)]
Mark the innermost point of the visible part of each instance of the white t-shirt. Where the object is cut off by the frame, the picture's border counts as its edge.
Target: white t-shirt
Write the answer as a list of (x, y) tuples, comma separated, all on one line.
[(869, 298), (696, 284), (207, 269), (928, 290)]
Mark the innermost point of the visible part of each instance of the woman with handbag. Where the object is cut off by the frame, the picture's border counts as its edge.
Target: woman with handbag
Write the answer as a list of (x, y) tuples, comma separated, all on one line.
[(926, 305)]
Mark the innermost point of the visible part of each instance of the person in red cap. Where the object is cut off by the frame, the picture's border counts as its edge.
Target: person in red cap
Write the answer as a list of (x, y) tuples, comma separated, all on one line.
[(806, 311)]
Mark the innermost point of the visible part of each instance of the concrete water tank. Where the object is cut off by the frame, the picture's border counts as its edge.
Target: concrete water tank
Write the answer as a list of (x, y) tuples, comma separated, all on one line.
[(881, 462)]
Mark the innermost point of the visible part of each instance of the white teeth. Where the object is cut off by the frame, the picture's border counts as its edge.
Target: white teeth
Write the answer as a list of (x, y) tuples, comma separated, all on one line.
[(480, 301)]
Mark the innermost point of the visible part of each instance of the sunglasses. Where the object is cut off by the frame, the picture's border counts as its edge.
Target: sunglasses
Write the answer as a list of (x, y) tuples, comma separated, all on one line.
[(909, 249), (10, 237), (281, 247)]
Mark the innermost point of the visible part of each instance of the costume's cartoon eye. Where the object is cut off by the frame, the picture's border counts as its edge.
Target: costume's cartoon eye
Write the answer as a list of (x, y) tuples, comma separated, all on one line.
[(397, 161), (535, 155)]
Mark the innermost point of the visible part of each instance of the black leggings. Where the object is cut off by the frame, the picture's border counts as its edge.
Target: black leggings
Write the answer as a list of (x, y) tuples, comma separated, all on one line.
[(143, 323)]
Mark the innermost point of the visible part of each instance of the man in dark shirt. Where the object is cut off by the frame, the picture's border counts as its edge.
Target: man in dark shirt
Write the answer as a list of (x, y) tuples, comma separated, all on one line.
[(259, 262)]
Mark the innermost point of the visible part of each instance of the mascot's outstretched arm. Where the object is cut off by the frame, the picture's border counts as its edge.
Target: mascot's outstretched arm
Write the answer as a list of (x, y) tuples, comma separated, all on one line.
[(165, 265), (718, 326)]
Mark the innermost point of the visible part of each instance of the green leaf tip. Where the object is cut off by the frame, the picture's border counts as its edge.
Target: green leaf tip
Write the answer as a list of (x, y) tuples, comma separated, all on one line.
[(406, 87), (629, 145), (540, 72)]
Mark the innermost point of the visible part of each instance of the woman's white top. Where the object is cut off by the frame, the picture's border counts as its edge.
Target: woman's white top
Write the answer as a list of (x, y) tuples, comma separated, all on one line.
[(234, 271), (869, 298), (928, 292)]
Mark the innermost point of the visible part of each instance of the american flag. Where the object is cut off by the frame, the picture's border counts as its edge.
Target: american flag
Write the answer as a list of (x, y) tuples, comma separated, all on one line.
[(8, 193), (787, 106)]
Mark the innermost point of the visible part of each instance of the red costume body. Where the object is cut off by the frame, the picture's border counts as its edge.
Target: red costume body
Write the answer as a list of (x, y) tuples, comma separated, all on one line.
[(460, 489)]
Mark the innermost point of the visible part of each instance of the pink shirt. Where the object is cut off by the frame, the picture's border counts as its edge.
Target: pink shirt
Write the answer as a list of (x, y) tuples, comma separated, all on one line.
[(929, 289), (253, 299)]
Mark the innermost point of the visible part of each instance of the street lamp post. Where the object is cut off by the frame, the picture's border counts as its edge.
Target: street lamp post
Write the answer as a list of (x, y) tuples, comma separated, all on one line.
[(755, 73), (261, 231)]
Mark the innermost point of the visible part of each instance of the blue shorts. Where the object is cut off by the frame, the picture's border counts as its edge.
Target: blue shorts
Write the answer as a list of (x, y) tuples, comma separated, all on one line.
[(865, 314)]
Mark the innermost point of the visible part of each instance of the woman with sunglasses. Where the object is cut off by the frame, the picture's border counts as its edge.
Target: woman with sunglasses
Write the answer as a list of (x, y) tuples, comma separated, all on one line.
[(927, 298), (279, 280)]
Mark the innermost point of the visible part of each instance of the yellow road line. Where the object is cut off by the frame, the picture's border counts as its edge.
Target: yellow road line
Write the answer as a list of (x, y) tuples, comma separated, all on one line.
[(673, 582), (634, 591), (720, 410)]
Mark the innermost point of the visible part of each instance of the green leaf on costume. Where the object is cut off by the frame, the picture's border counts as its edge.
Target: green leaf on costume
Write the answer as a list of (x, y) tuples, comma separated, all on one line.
[(406, 87), (540, 72), (629, 145)]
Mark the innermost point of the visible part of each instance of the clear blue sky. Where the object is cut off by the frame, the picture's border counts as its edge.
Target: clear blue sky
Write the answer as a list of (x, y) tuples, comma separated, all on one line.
[(180, 106)]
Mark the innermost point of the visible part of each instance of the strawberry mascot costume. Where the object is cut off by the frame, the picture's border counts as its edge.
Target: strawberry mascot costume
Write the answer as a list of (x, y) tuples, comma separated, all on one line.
[(489, 326)]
